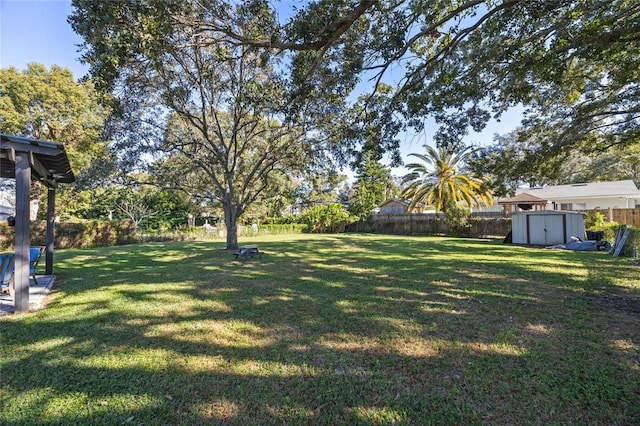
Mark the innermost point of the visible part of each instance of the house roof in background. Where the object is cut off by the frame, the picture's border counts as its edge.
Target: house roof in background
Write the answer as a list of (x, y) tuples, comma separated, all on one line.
[(405, 203), (523, 198), (394, 200), (621, 188)]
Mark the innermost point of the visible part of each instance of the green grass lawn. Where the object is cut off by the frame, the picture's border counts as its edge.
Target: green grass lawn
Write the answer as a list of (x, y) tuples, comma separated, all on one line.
[(337, 329)]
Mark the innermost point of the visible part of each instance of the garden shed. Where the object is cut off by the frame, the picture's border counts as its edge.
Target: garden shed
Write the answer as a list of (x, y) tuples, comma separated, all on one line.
[(546, 228)]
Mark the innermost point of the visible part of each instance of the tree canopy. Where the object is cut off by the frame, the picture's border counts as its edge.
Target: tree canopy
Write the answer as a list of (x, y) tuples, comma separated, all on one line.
[(371, 186), (49, 104), (574, 66), (513, 161), (212, 118)]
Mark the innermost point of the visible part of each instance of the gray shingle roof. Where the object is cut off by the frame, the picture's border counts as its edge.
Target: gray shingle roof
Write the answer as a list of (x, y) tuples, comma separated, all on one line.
[(522, 197), (585, 190)]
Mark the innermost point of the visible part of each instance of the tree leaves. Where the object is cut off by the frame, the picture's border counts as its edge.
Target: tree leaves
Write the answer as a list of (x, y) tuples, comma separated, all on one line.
[(438, 180), (49, 104), (573, 65)]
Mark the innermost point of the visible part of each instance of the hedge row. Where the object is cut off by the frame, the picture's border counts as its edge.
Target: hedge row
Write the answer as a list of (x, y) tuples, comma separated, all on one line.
[(82, 234), (289, 228), (85, 234)]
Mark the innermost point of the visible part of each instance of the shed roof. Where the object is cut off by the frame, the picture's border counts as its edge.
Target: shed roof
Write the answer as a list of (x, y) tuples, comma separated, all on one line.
[(48, 160), (549, 213), (585, 190)]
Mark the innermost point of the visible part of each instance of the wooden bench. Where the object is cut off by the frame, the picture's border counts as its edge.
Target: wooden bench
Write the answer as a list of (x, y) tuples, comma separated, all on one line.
[(246, 252)]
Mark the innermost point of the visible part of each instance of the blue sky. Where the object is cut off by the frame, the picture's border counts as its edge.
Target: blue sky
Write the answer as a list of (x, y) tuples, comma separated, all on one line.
[(37, 31)]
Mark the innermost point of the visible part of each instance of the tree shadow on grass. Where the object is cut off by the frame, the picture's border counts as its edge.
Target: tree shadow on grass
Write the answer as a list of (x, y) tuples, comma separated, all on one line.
[(345, 330)]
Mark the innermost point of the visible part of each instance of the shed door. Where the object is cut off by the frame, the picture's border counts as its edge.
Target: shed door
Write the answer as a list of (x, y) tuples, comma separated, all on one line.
[(546, 230)]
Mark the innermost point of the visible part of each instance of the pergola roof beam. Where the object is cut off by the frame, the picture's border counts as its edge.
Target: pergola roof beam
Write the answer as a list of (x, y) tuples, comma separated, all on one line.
[(52, 157)]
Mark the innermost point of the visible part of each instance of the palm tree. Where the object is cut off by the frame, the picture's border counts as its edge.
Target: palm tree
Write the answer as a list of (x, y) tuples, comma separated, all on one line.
[(438, 181)]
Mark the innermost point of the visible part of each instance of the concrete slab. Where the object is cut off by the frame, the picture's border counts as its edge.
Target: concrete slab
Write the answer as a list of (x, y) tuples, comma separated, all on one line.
[(37, 294)]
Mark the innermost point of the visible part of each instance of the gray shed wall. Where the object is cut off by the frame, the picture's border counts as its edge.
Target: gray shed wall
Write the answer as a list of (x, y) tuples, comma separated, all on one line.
[(546, 227)]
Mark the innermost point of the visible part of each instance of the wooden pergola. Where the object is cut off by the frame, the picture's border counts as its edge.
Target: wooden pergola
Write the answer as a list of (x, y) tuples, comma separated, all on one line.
[(523, 201), (26, 160)]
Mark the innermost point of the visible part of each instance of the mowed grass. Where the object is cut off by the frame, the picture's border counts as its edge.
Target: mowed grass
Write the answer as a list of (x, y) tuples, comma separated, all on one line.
[(328, 329)]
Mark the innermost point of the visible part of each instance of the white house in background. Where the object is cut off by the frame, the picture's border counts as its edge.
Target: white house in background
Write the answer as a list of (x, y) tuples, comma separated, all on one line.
[(578, 196), (6, 211)]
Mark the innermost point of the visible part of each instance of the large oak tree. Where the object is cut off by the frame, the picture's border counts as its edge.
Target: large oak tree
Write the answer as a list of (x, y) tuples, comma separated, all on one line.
[(212, 117), (574, 66)]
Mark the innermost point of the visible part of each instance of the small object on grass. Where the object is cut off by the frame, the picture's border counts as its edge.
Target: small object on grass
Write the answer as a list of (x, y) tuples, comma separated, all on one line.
[(246, 252)]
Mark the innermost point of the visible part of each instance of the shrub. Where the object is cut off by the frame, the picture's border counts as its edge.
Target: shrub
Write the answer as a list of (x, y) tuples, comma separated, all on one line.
[(609, 228), (330, 218), (458, 220), (365, 226), (594, 219)]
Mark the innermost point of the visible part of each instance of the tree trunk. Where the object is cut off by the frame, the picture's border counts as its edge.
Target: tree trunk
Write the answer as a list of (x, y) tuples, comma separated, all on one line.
[(231, 222), (232, 236)]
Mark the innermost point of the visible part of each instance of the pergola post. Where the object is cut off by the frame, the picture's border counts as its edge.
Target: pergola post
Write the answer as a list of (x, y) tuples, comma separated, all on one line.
[(22, 232), (51, 202), (24, 159)]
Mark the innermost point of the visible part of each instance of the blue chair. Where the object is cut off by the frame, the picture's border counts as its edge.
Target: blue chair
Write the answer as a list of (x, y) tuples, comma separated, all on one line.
[(6, 270), (34, 257)]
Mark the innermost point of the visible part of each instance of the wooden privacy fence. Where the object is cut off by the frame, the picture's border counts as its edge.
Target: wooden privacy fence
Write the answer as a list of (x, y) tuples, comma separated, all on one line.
[(622, 216), (481, 224), (435, 224)]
